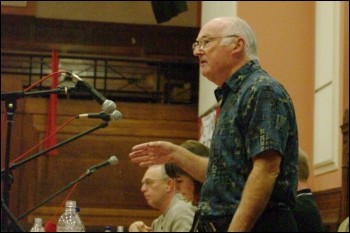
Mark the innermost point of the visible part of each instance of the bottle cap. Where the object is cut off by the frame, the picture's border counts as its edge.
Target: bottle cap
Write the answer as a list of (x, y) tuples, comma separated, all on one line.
[(71, 203), (120, 228), (38, 221)]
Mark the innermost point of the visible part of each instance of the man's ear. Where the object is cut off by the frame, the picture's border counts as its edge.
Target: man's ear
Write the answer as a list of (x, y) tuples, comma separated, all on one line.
[(239, 46), (171, 185)]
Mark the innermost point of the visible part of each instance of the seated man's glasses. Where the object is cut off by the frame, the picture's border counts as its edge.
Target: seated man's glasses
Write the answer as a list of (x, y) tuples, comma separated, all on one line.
[(150, 182)]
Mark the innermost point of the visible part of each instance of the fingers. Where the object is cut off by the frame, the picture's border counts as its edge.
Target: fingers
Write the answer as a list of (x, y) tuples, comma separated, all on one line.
[(139, 226), (138, 153), (150, 153), (147, 145), (142, 146), (141, 152)]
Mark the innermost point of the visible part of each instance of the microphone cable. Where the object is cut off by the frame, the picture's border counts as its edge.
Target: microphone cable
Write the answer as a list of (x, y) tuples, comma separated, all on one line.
[(72, 189)]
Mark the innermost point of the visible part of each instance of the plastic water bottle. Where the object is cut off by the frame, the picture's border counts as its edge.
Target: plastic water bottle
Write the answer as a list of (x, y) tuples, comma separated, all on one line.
[(38, 225), (68, 221), (77, 212)]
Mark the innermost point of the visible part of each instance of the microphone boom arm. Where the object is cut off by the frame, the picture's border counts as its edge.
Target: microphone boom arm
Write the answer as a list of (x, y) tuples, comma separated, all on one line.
[(22, 94), (55, 194), (89, 172), (15, 165)]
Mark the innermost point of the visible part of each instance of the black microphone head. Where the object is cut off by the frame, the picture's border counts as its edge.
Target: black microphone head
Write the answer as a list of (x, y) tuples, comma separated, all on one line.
[(109, 106), (116, 115)]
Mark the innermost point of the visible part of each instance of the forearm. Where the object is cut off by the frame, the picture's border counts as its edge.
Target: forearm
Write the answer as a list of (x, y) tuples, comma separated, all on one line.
[(193, 164), (255, 197), (160, 152), (256, 194)]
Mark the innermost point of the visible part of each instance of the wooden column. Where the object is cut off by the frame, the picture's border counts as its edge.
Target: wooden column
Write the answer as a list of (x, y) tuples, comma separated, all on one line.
[(345, 167)]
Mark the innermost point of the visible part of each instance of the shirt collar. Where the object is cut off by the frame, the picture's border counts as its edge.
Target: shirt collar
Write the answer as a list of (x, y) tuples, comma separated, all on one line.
[(233, 83)]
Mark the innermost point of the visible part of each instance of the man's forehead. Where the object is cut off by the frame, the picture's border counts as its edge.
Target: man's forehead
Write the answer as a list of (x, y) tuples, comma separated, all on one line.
[(210, 29), (152, 172)]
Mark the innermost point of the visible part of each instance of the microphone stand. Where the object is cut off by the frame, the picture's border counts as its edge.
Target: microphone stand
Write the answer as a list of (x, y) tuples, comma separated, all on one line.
[(11, 105), (88, 173), (10, 215), (6, 173), (15, 165)]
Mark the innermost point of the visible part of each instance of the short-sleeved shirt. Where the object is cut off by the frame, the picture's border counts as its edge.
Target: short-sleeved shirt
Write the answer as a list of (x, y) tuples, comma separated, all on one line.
[(177, 218), (256, 115)]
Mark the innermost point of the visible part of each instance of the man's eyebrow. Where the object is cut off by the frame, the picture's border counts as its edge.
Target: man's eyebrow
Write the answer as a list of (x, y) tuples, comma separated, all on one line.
[(203, 37)]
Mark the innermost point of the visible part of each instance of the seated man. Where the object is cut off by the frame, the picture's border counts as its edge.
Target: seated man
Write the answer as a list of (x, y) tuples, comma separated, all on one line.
[(160, 193), (306, 212)]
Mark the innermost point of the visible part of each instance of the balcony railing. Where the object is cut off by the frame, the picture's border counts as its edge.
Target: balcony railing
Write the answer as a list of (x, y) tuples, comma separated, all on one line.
[(117, 78)]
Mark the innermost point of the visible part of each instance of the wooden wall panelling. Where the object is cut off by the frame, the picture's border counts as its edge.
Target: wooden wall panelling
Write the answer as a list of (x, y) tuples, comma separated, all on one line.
[(345, 167), (114, 188), (329, 203), (28, 171)]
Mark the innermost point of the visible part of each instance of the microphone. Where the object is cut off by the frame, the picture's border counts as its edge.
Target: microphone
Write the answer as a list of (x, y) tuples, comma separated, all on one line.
[(50, 225), (116, 115), (111, 161), (108, 106)]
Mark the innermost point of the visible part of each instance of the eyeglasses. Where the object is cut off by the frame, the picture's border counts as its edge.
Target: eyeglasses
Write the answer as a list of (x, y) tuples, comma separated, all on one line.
[(201, 43), (149, 182)]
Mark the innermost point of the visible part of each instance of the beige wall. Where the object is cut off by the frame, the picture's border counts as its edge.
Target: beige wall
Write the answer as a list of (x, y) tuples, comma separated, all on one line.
[(345, 52)]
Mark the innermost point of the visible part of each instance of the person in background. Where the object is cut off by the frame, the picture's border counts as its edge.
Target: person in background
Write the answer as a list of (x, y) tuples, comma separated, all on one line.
[(188, 186), (159, 191), (250, 178), (306, 212)]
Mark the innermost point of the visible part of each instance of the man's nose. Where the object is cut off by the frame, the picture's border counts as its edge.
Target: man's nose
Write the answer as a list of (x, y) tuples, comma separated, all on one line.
[(196, 51)]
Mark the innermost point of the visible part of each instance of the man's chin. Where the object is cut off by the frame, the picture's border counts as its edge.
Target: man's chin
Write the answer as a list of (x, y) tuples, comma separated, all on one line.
[(205, 73)]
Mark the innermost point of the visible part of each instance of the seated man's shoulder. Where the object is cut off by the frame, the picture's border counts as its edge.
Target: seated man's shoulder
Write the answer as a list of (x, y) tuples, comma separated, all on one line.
[(183, 207)]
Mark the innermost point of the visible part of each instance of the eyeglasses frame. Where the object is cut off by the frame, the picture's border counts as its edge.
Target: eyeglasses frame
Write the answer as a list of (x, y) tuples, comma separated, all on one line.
[(149, 182), (203, 41)]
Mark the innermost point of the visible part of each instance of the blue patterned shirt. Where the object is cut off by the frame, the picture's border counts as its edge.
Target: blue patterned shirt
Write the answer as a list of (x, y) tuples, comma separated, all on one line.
[(256, 115)]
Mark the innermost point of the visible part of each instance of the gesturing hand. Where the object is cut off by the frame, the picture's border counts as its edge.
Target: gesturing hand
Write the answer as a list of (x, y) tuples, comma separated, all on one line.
[(151, 153)]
